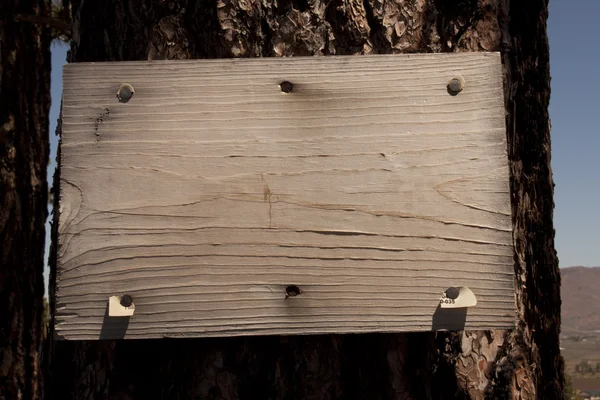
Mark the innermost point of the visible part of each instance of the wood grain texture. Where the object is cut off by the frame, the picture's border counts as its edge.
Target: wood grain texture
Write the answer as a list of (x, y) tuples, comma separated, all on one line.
[(369, 186)]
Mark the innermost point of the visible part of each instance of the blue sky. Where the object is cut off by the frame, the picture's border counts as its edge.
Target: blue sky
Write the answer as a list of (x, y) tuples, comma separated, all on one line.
[(574, 105), (574, 110)]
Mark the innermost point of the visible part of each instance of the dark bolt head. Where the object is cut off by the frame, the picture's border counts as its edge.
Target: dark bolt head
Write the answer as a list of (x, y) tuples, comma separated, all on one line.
[(286, 87), (126, 300), (456, 85), (452, 293), (125, 93), (292, 291)]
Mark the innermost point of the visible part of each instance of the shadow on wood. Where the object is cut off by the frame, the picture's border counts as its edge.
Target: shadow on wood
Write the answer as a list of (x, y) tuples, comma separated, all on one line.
[(113, 327), (451, 319)]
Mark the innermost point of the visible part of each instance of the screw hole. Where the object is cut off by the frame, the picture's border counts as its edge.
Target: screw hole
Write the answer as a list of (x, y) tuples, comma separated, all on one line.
[(292, 291)]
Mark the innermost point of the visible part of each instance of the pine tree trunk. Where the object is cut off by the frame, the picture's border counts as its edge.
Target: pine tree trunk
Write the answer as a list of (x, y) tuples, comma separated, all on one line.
[(24, 107), (524, 363)]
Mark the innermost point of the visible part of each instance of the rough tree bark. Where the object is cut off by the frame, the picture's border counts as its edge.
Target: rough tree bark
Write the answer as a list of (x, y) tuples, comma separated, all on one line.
[(24, 107), (522, 364)]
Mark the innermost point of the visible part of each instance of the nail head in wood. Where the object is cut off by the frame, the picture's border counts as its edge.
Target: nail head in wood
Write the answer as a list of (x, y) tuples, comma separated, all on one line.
[(126, 300), (292, 291), (286, 87), (125, 93), (456, 85), (119, 308), (452, 293)]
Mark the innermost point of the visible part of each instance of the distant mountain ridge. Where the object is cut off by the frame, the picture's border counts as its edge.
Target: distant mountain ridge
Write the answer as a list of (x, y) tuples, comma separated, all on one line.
[(580, 294)]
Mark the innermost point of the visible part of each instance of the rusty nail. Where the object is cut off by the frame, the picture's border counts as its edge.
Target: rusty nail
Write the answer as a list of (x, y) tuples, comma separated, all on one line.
[(125, 93)]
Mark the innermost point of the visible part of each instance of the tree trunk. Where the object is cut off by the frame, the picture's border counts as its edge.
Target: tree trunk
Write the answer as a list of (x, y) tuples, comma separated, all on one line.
[(24, 108), (524, 363)]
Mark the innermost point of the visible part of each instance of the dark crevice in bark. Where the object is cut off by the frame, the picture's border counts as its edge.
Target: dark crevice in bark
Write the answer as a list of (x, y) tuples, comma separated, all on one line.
[(381, 44), (24, 151), (251, 30), (454, 18), (429, 25), (256, 370), (91, 32), (284, 6), (132, 30), (420, 355), (504, 367), (302, 5), (204, 30), (310, 367), (338, 20), (267, 44), (453, 9), (446, 387)]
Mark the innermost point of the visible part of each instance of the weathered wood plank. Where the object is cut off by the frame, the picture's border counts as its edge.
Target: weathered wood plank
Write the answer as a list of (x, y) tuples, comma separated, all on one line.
[(369, 186)]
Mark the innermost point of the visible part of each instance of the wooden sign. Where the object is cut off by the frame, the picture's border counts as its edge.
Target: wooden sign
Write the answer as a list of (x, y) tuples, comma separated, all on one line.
[(284, 196)]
